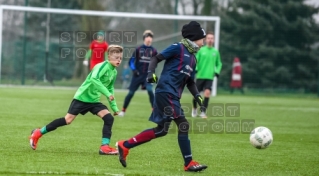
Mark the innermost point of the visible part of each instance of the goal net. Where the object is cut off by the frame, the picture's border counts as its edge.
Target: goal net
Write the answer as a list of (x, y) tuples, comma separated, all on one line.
[(43, 44)]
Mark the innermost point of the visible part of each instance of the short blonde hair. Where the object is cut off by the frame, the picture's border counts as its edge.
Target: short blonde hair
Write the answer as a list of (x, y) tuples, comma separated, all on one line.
[(148, 32), (114, 49)]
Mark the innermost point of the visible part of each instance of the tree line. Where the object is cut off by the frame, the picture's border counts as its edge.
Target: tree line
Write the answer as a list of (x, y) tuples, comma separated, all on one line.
[(276, 41)]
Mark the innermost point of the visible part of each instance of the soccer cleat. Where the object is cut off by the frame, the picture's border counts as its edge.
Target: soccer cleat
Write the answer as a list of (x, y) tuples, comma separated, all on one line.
[(123, 152), (107, 150), (194, 166), (194, 112), (203, 115), (35, 136), (121, 114)]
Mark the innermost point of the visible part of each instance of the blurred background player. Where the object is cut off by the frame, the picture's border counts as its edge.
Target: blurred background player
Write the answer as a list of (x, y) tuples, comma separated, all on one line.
[(87, 99), (236, 78), (139, 63), (208, 66), (97, 52), (125, 77), (178, 72)]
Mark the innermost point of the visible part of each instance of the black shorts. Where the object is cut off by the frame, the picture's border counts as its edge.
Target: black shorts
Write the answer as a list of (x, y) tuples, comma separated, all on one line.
[(79, 107), (203, 84)]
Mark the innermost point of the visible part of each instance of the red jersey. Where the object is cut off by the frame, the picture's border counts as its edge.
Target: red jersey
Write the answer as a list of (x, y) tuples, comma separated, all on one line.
[(98, 52)]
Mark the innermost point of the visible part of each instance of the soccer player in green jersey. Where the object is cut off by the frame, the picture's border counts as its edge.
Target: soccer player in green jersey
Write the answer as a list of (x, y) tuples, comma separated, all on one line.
[(208, 66), (87, 99)]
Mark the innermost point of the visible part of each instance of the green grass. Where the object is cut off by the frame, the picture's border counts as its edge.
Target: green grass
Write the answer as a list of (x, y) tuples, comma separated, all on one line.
[(73, 150), (296, 93)]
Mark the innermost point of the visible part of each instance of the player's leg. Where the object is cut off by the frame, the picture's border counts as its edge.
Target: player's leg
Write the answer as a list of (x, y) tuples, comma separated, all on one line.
[(158, 116), (75, 108), (101, 110), (145, 136), (183, 140), (199, 85), (135, 83), (36, 134), (149, 88), (207, 86), (185, 146)]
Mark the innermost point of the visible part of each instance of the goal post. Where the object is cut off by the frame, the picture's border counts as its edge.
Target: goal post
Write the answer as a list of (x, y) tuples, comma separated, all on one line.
[(202, 19)]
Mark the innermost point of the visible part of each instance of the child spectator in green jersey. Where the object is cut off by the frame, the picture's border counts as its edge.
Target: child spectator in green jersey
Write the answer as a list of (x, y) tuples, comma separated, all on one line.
[(87, 99)]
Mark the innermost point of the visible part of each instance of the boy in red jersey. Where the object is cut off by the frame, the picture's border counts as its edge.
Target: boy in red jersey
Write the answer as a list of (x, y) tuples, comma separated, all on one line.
[(97, 51)]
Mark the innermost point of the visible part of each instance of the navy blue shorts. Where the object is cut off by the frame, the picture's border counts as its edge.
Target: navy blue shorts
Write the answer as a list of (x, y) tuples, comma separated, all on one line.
[(166, 108), (138, 81)]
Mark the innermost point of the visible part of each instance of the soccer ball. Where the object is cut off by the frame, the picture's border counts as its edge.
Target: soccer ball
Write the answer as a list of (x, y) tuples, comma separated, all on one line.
[(261, 137)]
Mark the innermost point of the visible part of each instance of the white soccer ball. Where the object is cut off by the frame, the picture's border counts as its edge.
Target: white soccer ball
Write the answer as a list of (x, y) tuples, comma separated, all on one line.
[(261, 137)]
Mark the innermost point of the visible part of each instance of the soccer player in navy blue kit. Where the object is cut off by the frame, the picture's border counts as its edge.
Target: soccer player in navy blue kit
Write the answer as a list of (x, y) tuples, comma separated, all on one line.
[(139, 63), (178, 72)]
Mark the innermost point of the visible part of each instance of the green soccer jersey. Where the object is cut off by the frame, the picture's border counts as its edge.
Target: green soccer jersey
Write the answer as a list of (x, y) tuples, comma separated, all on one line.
[(208, 63), (100, 80)]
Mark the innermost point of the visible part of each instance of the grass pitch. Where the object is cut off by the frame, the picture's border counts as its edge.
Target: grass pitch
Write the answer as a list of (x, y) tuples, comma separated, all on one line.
[(73, 150)]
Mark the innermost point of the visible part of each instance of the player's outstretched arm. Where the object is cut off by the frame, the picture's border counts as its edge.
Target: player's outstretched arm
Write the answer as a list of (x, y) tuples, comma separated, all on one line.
[(87, 58), (132, 64), (88, 54), (151, 76), (219, 65), (154, 61), (112, 101)]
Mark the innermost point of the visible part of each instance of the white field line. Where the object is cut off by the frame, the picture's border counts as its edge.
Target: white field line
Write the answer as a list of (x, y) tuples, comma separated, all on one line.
[(65, 173)]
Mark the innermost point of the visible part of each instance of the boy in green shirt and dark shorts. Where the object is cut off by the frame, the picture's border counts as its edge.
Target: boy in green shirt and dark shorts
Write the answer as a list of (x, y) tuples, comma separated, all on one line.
[(208, 66), (87, 99)]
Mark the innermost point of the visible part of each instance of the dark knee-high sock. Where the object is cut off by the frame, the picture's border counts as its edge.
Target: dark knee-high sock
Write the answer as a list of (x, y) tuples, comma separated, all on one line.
[(194, 103), (185, 146), (143, 137), (127, 100), (107, 129), (53, 125), (206, 100)]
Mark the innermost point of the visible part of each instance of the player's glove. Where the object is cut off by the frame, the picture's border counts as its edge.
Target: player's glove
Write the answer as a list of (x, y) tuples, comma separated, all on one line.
[(200, 102), (151, 77), (85, 62), (136, 73)]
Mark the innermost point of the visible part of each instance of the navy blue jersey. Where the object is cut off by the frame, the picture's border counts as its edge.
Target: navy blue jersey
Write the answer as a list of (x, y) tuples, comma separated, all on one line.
[(179, 67), (141, 58)]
